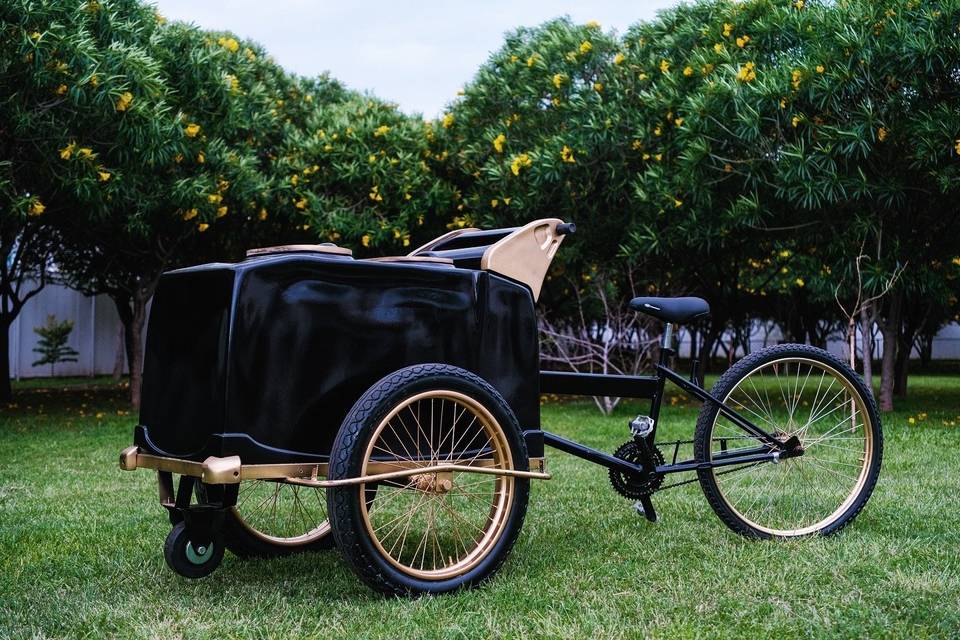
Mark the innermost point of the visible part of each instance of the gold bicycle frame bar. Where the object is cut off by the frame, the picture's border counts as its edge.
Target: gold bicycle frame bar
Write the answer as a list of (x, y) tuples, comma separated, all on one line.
[(230, 470)]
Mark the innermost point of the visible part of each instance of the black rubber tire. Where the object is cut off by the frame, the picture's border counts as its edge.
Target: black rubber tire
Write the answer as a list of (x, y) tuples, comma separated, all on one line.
[(346, 461), (725, 385), (176, 555), (244, 544)]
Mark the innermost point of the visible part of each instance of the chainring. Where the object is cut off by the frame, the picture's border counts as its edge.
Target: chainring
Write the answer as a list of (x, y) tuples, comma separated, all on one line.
[(632, 485)]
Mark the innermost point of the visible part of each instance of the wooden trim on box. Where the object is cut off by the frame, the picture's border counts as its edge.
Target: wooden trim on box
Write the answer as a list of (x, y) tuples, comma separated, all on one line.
[(293, 248)]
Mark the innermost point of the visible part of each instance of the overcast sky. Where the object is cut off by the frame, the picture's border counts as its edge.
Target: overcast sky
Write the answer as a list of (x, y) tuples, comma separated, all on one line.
[(416, 54)]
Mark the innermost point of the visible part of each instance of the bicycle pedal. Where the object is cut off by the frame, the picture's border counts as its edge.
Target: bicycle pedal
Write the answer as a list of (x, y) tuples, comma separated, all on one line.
[(644, 507)]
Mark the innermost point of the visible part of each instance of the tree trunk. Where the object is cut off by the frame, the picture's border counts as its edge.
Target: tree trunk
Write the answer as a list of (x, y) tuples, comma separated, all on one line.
[(121, 355), (6, 392), (136, 338), (888, 329), (866, 342)]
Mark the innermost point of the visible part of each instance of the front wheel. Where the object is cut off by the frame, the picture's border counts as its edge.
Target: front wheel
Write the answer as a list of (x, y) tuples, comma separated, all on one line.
[(791, 390), (429, 531)]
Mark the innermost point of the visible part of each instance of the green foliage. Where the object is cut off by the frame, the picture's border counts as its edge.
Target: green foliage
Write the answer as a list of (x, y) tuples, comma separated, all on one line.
[(52, 345)]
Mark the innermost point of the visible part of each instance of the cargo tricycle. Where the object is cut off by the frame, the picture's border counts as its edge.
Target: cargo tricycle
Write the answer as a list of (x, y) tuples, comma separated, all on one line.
[(302, 399)]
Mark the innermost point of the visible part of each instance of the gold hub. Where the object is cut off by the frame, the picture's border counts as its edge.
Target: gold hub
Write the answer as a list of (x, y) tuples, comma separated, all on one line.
[(434, 483)]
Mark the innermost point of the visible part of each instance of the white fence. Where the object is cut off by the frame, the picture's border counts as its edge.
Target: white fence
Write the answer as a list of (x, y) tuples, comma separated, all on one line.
[(96, 335)]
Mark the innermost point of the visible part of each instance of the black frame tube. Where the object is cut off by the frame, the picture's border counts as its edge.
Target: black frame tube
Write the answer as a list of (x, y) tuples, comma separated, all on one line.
[(652, 387)]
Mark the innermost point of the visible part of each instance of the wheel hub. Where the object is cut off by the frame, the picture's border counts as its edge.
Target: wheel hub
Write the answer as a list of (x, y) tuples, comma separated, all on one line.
[(434, 483)]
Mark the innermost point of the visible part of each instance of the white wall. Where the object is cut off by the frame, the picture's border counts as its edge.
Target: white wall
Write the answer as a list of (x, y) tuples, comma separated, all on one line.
[(95, 333)]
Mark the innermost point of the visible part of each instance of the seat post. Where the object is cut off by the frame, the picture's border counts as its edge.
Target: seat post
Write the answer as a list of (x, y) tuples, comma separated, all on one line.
[(666, 343)]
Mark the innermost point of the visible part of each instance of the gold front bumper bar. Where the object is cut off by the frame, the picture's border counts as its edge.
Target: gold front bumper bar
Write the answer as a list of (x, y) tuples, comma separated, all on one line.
[(230, 470)]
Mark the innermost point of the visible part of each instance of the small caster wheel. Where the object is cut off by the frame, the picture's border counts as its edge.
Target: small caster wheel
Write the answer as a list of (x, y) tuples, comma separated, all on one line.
[(185, 559)]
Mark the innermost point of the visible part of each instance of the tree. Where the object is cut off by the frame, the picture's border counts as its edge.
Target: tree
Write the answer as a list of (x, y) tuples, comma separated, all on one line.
[(52, 345)]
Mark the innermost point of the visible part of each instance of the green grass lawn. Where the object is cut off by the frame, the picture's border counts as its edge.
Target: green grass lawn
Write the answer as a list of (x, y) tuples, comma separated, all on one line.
[(80, 548)]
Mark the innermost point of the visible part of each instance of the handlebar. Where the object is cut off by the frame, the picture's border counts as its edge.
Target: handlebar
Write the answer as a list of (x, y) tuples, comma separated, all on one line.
[(566, 228)]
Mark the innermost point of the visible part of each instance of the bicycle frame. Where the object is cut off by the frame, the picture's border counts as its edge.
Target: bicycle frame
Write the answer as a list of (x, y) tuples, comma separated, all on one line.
[(652, 387)]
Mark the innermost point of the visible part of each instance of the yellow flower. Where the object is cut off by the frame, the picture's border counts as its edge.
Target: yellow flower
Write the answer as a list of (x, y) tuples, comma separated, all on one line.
[(795, 77), (201, 157), (36, 208), (67, 151), (382, 130), (586, 47), (598, 86), (519, 162), (178, 158), (85, 152), (796, 120), (229, 43), (799, 282), (799, 4), (294, 179), (221, 211), (619, 58), (498, 143), (593, 24), (123, 102), (191, 130), (203, 226), (94, 80), (263, 214), (664, 66), (365, 240), (35, 35), (62, 89), (707, 69), (103, 175), (747, 73), (657, 130), (448, 120), (783, 103), (677, 203), (911, 420), (566, 154), (687, 71), (506, 201), (375, 194), (642, 76), (190, 214), (558, 80), (646, 156), (372, 158), (956, 261), (494, 203), (658, 157), (881, 134), (636, 145), (251, 56), (742, 41), (234, 83), (718, 48), (820, 68), (301, 204), (532, 60), (727, 29)]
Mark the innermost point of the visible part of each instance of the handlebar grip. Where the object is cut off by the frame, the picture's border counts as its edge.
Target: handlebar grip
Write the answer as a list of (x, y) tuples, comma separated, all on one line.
[(566, 228)]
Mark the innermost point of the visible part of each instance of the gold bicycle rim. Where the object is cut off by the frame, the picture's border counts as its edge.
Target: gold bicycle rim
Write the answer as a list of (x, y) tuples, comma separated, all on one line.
[(837, 453), (452, 542), (282, 514)]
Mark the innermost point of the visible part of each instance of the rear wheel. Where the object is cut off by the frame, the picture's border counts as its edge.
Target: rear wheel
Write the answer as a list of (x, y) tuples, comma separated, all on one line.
[(802, 391), (274, 518), (429, 532)]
